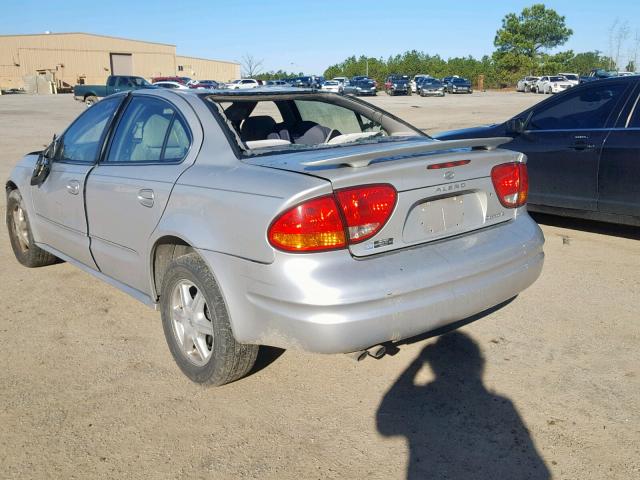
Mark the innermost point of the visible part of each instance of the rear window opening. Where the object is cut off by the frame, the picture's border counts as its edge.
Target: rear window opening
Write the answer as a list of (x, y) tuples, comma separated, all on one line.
[(282, 123)]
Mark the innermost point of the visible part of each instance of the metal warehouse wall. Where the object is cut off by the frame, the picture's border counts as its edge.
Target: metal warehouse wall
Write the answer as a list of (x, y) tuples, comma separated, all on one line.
[(203, 69), (75, 56)]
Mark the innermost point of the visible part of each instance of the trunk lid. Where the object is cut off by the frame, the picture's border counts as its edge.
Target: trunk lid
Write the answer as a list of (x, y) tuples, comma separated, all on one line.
[(433, 203)]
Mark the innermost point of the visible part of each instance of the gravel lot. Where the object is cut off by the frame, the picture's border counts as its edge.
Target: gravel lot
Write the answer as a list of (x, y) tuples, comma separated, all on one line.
[(547, 387)]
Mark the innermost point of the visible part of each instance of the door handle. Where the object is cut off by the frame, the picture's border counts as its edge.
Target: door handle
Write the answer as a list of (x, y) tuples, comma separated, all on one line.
[(73, 187), (146, 197), (581, 142)]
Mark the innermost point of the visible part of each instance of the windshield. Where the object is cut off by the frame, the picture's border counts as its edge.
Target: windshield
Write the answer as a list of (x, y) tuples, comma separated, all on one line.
[(331, 83), (556, 79), (285, 122), (460, 80), (571, 77)]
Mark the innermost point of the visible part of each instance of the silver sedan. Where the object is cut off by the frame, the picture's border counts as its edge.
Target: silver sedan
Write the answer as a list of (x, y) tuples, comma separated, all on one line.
[(285, 217)]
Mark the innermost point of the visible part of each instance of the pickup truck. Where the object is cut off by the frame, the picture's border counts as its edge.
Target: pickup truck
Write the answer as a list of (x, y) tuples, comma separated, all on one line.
[(89, 94)]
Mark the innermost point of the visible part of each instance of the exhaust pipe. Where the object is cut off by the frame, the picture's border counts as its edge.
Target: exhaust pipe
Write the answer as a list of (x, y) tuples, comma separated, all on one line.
[(359, 355), (377, 352)]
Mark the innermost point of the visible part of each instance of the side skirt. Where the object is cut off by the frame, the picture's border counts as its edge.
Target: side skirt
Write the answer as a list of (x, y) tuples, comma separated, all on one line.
[(137, 294)]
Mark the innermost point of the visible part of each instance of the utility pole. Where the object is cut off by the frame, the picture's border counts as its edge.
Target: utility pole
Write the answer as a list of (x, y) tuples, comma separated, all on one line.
[(367, 67)]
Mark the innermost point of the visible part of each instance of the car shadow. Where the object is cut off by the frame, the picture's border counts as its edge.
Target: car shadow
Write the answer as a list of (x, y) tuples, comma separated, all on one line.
[(591, 226), (392, 347), (266, 356), (454, 426)]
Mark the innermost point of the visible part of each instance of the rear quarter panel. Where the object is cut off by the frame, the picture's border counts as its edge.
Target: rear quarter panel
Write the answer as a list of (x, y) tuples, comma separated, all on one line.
[(224, 205)]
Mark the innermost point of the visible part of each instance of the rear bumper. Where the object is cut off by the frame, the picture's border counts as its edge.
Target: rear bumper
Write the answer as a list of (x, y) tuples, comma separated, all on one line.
[(333, 303)]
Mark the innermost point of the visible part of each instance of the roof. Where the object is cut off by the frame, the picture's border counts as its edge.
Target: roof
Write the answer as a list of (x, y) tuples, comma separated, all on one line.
[(88, 34), (206, 59), (116, 38)]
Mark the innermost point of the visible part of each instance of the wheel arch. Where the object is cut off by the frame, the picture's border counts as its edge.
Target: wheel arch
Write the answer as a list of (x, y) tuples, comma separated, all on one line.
[(164, 250), (10, 186)]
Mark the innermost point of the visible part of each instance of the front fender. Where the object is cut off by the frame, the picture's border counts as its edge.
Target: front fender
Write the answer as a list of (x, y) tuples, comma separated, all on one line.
[(21, 177)]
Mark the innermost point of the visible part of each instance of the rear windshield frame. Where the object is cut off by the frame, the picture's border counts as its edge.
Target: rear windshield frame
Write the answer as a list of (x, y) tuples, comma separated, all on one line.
[(213, 101)]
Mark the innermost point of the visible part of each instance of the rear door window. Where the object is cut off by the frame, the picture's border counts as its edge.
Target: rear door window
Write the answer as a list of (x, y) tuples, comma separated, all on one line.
[(587, 108), (150, 130)]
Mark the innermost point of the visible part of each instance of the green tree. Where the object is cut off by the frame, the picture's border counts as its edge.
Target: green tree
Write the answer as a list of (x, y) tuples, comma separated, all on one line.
[(522, 40), (536, 29), (582, 63)]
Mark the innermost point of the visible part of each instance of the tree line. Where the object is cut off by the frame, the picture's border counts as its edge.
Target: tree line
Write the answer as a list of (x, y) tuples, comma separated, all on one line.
[(496, 75), (523, 46)]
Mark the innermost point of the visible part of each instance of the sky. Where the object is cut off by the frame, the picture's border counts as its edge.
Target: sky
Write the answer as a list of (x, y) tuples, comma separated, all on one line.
[(307, 37)]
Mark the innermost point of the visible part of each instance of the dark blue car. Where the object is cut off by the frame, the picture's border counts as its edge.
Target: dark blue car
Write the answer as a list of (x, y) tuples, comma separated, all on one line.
[(583, 147)]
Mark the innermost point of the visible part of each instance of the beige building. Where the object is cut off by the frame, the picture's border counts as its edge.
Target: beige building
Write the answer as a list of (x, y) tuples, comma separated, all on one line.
[(71, 58)]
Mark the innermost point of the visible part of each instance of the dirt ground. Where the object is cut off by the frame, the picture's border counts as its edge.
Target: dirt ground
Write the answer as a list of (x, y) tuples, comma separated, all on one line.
[(546, 387)]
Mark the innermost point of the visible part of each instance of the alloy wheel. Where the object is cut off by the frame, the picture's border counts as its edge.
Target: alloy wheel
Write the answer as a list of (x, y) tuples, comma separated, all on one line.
[(21, 228), (191, 322)]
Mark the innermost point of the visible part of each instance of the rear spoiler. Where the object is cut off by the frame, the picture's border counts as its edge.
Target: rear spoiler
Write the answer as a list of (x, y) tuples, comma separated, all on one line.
[(357, 160)]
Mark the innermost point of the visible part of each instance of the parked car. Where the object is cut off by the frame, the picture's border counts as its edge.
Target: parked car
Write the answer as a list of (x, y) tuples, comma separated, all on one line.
[(245, 227), (397, 85), (583, 149), (413, 84), (572, 78), (458, 85), (341, 79), (304, 82), (552, 84), (277, 83), (360, 87), (431, 87), (598, 74), (90, 94), (332, 86), (243, 84), (204, 84), (525, 84), (172, 85), (183, 80)]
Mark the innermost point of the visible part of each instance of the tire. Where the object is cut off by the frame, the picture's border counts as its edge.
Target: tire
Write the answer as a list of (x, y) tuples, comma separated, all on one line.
[(90, 100), (213, 356), (21, 237)]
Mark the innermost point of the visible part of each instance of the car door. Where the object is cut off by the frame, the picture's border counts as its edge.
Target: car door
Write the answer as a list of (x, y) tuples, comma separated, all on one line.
[(58, 202), (619, 172), (563, 139), (152, 144)]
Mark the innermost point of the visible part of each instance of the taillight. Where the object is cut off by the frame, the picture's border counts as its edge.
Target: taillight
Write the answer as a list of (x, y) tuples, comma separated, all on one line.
[(330, 222), (511, 183), (311, 226), (366, 209)]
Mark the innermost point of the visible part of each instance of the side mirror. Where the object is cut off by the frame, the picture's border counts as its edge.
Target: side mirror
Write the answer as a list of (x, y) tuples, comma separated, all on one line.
[(516, 125), (43, 164)]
